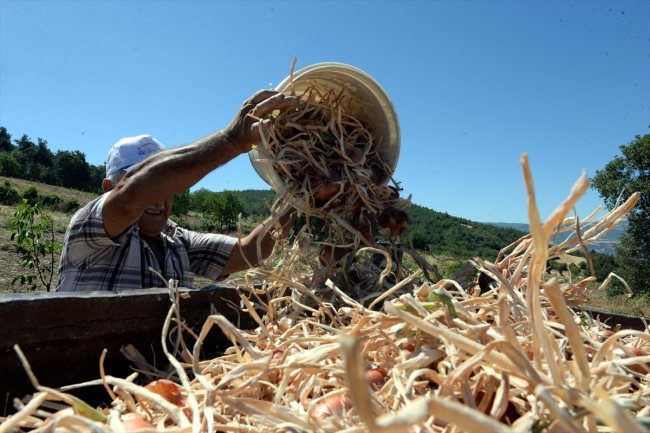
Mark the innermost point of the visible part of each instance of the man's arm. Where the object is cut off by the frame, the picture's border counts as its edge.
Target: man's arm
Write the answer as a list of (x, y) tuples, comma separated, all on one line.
[(248, 244), (176, 170)]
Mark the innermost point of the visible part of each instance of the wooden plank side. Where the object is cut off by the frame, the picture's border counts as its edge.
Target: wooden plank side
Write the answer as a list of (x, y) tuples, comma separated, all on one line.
[(63, 334)]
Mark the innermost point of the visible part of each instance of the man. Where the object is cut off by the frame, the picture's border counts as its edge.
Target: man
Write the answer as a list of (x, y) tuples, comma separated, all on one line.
[(111, 242)]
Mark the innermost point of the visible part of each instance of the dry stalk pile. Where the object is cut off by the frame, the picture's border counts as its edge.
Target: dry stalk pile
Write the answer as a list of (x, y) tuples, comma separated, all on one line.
[(440, 358), (349, 343)]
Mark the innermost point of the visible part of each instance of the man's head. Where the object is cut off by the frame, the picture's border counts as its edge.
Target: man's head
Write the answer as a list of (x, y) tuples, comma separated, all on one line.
[(122, 157), (128, 152)]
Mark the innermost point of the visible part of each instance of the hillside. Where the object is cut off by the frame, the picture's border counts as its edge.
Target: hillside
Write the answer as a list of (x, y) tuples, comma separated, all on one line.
[(436, 232), (604, 245), (459, 237)]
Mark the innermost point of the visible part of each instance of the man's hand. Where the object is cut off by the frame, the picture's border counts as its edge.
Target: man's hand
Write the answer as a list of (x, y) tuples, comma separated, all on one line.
[(247, 246), (243, 131)]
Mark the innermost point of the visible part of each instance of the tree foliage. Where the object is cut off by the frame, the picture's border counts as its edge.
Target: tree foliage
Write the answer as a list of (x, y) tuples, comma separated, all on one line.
[(5, 140), (623, 176), (27, 160), (225, 208), (441, 233), (9, 166), (182, 204)]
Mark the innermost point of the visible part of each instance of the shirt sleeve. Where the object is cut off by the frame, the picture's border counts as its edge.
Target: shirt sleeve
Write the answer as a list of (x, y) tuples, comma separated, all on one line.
[(208, 252), (87, 240)]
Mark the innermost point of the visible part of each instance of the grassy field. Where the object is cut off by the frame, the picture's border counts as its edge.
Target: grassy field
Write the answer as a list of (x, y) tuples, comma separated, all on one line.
[(9, 260)]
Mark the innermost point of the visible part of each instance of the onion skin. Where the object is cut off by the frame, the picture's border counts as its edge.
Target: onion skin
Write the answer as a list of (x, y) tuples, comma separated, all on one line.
[(274, 327), (376, 377), (331, 405), (363, 224), (326, 192), (638, 368), (395, 220), (328, 189), (603, 334), (167, 389), (68, 411), (408, 349), (135, 421), (330, 255), (356, 155)]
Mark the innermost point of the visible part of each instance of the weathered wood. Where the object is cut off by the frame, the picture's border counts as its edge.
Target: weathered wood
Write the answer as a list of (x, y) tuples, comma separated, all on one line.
[(63, 334), (611, 319)]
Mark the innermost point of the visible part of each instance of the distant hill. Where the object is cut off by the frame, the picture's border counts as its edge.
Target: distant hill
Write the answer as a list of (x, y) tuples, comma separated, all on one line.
[(459, 237), (603, 245), (436, 232)]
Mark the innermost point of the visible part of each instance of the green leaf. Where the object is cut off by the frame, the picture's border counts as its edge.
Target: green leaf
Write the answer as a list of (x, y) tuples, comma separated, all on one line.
[(86, 410), (439, 295)]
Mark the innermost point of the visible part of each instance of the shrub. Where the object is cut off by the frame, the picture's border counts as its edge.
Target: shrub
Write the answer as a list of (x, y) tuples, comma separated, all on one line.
[(181, 222), (419, 240), (52, 201), (31, 195), (8, 195), (33, 238), (70, 206), (209, 225)]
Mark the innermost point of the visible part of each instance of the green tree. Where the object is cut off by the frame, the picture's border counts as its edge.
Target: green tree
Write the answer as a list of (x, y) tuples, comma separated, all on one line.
[(558, 266), (5, 140), (624, 175), (181, 205), (574, 270), (72, 170), (201, 199), (9, 166), (97, 175), (225, 208), (35, 160)]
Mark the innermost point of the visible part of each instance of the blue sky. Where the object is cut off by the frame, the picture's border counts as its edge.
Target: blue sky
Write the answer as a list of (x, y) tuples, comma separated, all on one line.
[(475, 84)]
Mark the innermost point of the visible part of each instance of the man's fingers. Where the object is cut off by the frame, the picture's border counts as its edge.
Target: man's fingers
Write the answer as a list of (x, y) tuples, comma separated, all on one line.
[(254, 128), (275, 102), (262, 95)]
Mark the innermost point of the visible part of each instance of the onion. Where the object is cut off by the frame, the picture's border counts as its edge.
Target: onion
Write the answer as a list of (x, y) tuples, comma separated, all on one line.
[(167, 389), (356, 155), (325, 190), (602, 334), (274, 327), (635, 352), (376, 377), (331, 405), (330, 255), (395, 220), (364, 225), (135, 421)]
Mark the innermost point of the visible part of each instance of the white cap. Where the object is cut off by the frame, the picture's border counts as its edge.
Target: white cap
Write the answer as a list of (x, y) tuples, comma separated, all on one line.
[(131, 150)]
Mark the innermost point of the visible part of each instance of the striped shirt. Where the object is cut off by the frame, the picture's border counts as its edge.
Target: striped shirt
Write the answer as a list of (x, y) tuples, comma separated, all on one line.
[(90, 260)]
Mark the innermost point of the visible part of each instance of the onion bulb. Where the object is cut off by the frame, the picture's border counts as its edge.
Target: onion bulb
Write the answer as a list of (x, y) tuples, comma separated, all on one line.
[(395, 220)]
